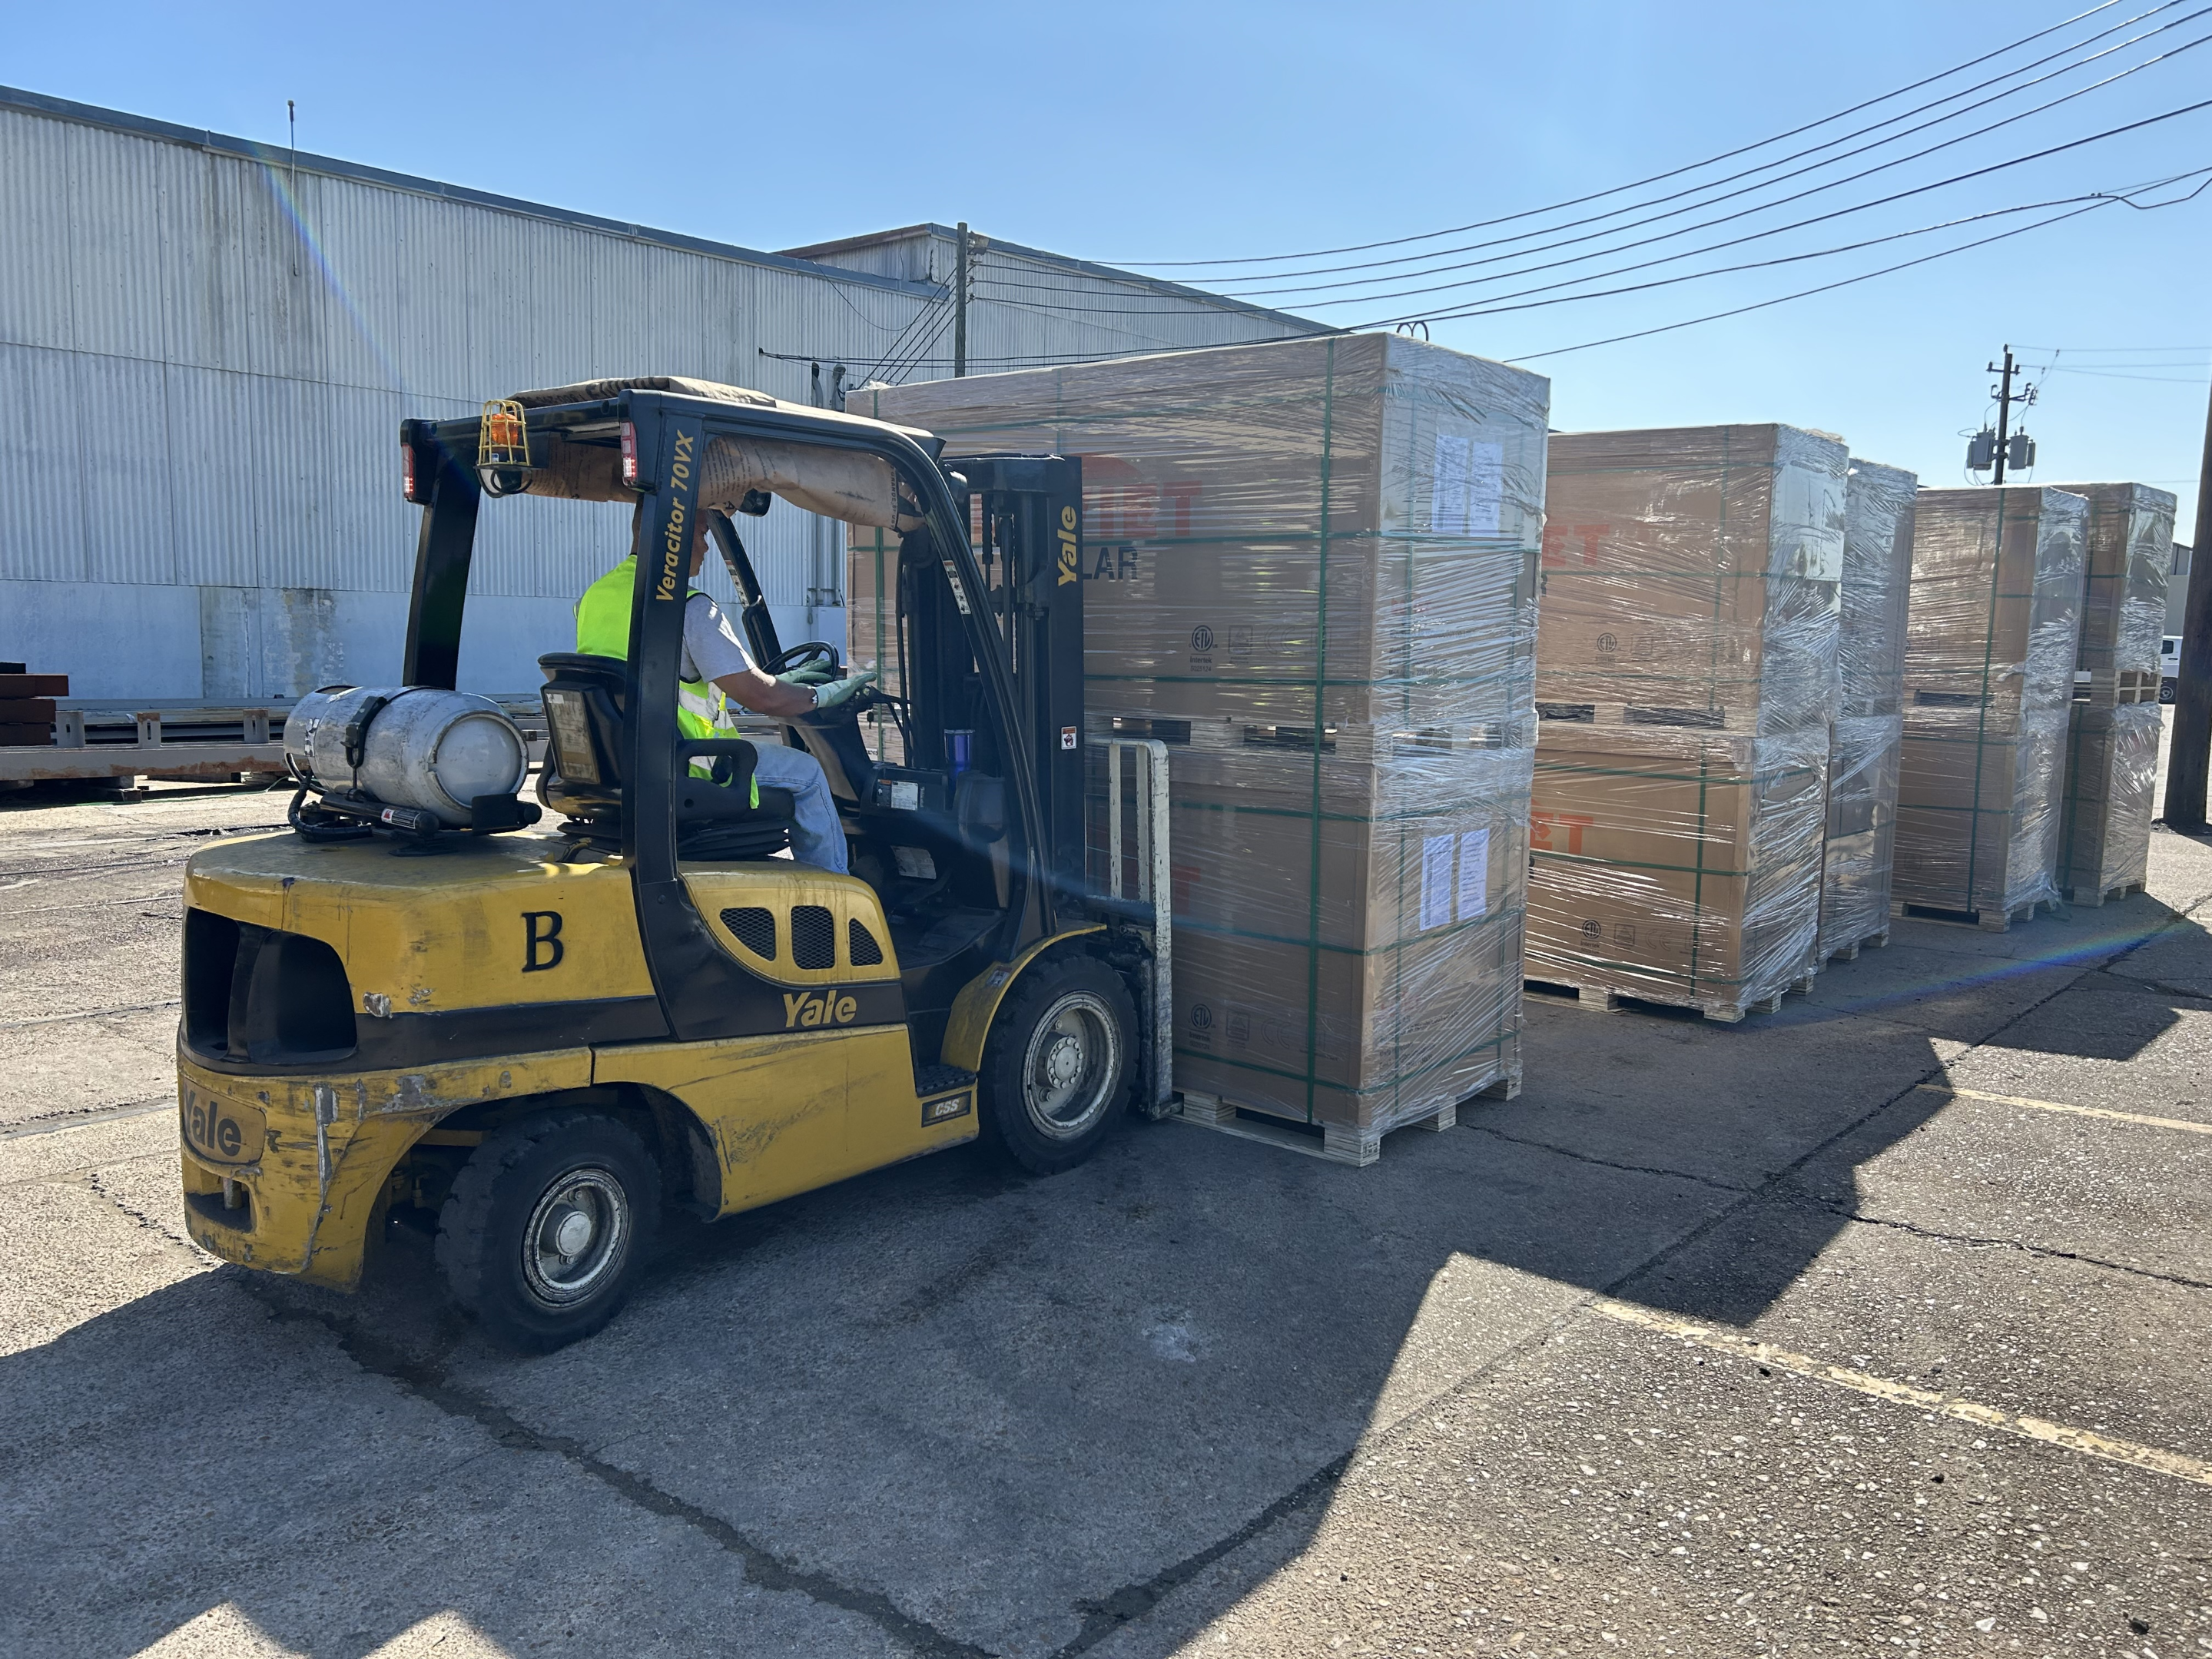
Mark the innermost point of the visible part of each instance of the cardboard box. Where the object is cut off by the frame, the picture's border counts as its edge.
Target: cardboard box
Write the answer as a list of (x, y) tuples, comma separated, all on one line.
[(2128, 547), (1978, 814), (1366, 1040), (1309, 567), (2111, 771), (1880, 505), (1859, 860), (1208, 479), (1989, 671), (1680, 866), (1995, 615), (1694, 572)]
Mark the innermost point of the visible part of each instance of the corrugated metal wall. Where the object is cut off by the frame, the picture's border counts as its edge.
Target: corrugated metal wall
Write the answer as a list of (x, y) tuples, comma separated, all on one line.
[(206, 356)]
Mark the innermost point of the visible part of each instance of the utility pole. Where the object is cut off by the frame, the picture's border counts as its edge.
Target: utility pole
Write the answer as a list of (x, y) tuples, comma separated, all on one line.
[(2003, 446), (2004, 410), (960, 307), (2186, 757)]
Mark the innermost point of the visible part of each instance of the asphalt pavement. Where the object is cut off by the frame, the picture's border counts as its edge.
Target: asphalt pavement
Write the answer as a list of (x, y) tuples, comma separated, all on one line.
[(1877, 1326)]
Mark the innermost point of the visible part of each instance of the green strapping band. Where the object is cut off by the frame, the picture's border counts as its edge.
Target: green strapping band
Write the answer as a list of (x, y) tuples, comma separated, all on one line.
[(1989, 652), (1321, 681)]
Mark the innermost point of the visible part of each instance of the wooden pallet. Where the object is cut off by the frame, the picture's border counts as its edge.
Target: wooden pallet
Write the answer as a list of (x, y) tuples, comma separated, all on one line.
[(2109, 688), (1989, 922), (1851, 952), (1593, 1000), (2091, 899), (1337, 1142), (1738, 721)]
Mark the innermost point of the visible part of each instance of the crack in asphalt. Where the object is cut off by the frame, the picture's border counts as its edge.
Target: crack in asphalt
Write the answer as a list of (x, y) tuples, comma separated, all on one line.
[(1607, 1163), (1102, 1618), (1975, 1242), (426, 1380)]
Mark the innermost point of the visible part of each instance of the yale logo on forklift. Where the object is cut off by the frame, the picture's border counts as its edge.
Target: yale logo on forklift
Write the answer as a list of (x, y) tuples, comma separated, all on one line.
[(800, 1009), (1069, 570), (221, 1131)]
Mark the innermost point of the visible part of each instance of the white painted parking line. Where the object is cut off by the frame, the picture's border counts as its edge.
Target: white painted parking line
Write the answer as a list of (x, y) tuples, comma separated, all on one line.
[(2177, 1465), (2182, 1124)]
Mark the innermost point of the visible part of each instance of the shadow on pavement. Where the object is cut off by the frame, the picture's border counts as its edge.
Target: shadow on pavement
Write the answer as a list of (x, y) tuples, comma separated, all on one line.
[(964, 1411)]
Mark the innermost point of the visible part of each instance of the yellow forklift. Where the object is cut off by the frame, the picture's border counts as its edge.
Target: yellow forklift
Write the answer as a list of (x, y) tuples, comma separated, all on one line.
[(427, 1005)]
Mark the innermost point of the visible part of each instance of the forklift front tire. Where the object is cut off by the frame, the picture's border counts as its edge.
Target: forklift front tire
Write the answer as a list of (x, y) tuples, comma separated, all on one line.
[(1056, 1070), (547, 1227)]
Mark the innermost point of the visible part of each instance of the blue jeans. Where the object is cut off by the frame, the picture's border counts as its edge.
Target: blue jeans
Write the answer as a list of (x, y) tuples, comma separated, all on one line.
[(816, 839)]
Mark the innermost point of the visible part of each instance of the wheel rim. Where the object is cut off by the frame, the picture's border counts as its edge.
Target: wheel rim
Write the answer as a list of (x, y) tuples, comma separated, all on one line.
[(577, 1236), (1068, 1070)]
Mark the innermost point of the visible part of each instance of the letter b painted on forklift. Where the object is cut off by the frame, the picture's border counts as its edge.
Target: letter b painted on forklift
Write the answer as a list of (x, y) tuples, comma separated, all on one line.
[(542, 948)]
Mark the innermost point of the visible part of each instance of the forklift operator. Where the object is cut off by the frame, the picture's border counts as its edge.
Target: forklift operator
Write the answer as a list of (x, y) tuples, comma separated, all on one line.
[(713, 657)]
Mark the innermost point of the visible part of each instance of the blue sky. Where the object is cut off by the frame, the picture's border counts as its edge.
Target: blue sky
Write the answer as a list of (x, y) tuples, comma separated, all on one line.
[(1144, 132)]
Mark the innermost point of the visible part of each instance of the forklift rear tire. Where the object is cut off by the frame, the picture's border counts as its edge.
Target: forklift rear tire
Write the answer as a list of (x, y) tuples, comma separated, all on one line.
[(1056, 1070), (547, 1227)]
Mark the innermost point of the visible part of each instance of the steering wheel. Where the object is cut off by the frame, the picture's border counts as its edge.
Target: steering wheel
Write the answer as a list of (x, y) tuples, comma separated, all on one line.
[(799, 656)]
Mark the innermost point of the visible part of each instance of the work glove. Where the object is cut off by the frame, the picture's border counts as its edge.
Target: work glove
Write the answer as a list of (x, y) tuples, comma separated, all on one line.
[(814, 673), (828, 697)]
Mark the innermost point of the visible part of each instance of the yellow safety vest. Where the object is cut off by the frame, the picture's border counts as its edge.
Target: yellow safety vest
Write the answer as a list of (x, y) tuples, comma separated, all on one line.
[(602, 631)]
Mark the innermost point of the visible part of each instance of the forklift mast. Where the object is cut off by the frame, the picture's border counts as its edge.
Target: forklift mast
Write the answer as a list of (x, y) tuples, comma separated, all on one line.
[(1026, 519)]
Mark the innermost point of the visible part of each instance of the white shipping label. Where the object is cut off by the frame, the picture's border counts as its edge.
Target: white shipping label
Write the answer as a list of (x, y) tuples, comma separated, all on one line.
[(1473, 874), (1436, 881), (1467, 494)]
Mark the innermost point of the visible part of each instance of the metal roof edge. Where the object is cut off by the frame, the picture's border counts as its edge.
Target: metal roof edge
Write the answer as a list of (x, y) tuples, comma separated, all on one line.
[(144, 126), (1066, 262)]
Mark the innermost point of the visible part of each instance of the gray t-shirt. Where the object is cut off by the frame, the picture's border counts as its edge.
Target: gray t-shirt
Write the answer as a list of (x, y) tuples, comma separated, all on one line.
[(711, 647)]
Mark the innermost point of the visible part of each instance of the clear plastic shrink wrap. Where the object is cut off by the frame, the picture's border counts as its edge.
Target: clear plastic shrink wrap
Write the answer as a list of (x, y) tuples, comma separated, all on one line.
[(1686, 678), (1862, 839), (2111, 769), (2112, 750), (1994, 621), (1309, 567)]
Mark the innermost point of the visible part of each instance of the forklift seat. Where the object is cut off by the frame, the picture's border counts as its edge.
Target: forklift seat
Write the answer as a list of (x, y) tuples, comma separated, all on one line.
[(585, 698)]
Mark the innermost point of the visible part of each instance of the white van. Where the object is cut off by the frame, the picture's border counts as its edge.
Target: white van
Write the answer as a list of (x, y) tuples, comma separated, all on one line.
[(2169, 665)]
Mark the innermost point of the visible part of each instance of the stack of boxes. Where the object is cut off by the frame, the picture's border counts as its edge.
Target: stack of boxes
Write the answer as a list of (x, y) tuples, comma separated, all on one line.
[(1310, 567), (1870, 725), (2112, 750), (1685, 674), (1993, 623), (27, 706)]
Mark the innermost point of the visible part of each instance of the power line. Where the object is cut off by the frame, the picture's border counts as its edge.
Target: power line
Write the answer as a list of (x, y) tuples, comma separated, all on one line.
[(1769, 166), (1493, 305), (1896, 196), (1654, 178), (1784, 201), (1824, 288)]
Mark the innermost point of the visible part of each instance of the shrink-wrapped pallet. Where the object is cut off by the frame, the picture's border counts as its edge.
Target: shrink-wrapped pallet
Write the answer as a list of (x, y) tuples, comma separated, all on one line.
[(2111, 770), (1309, 567), (1860, 858), (1676, 866), (2127, 551), (1690, 577), (1994, 621), (2111, 748), (1687, 672), (1869, 730)]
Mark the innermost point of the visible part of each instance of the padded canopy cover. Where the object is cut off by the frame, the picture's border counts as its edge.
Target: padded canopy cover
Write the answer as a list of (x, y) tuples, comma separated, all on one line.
[(838, 483)]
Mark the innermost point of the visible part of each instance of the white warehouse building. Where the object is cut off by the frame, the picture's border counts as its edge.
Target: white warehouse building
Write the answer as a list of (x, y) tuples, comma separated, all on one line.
[(208, 347)]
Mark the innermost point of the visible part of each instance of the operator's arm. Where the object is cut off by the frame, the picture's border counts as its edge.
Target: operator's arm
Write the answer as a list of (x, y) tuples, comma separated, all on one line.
[(751, 689), (711, 645)]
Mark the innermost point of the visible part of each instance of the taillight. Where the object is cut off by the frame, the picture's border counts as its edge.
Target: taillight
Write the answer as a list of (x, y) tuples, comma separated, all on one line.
[(629, 454), (407, 473)]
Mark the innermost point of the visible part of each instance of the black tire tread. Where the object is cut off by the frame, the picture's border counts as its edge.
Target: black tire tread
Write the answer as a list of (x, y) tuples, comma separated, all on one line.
[(465, 1217), (1037, 987)]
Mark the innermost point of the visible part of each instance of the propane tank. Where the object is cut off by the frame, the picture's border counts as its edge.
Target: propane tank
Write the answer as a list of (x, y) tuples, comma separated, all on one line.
[(419, 746)]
